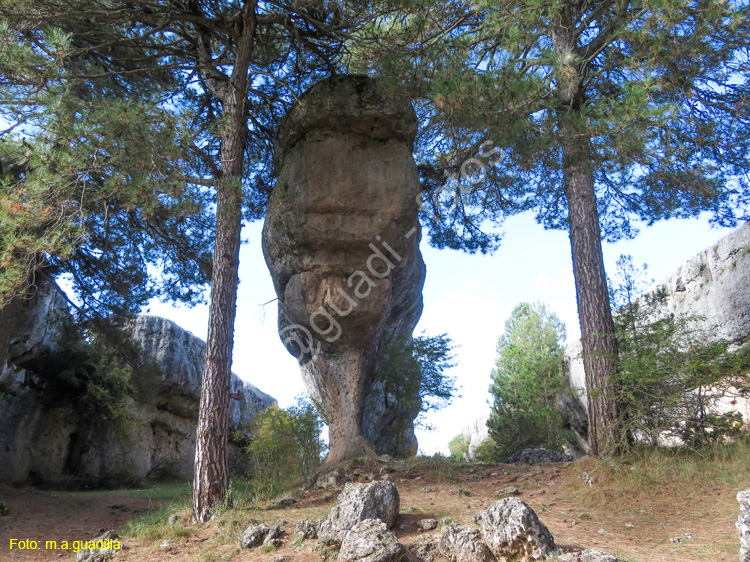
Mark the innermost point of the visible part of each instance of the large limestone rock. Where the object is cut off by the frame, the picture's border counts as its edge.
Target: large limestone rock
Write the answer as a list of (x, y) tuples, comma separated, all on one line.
[(179, 356), (44, 442), (513, 531), (376, 500), (341, 240)]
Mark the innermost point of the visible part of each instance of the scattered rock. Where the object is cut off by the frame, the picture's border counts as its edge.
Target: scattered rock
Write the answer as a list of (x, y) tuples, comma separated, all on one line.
[(165, 544), (539, 456), (173, 519), (506, 492), (254, 535), (588, 555), (427, 524), (461, 544), (3, 509), (272, 537), (605, 533), (334, 478), (306, 529), (375, 500), (428, 490), (683, 537), (512, 529), (370, 541), (283, 503), (586, 479), (425, 549), (100, 554), (461, 492)]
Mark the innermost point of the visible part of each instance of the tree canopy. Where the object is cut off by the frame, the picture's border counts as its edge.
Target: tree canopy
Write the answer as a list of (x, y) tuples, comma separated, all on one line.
[(590, 114), (527, 377)]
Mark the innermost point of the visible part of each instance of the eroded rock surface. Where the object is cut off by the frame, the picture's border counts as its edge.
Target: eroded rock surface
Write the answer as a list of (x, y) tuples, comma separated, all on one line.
[(370, 541), (714, 288), (341, 240), (376, 500), (43, 440), (462, 544), (513, 531)]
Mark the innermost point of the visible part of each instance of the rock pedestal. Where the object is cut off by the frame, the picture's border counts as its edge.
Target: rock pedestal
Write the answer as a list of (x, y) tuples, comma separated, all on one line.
[(341, 240)]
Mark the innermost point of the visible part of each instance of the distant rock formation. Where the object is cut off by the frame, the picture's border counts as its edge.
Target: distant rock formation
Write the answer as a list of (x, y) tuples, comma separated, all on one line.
[(44, 443), (341, 240), (713, 286)]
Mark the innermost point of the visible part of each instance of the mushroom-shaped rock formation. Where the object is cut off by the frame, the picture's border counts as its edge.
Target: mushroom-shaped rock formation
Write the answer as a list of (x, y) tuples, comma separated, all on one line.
[(341, 240)]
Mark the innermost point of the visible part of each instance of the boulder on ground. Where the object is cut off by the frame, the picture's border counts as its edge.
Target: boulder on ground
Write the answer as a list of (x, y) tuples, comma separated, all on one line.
[(370, 541), (425, 549), (306, 529), (427, 524), (108, 542), (539, 456), (462, 544), (513, 531), (376, 500), (254, 535)]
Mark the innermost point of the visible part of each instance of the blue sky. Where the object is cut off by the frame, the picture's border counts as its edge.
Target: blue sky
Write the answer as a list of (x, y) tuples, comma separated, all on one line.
[(469, 297)]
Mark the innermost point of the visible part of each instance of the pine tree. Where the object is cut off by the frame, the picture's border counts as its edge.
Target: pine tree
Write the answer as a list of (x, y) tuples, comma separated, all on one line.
[(592, 114), (527, 377), (231, 69)]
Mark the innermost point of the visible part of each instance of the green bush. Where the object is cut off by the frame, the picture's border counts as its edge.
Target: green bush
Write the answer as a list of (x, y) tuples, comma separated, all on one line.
[(672, 377), (285, 447), (527, 377), (458, 447)]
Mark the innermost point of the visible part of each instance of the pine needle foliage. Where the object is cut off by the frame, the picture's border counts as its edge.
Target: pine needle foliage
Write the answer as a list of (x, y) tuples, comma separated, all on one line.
[(527, 377)]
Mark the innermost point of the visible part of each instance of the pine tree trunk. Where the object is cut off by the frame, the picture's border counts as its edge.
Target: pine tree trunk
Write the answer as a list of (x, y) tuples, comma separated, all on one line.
[(595, 315), (211, 477)]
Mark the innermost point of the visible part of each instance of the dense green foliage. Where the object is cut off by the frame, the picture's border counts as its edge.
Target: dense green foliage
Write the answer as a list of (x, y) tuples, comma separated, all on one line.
[(657, 88), (591, 114), (285, 448), (413, 371), (528, 375), (92, 177), (673, 378)]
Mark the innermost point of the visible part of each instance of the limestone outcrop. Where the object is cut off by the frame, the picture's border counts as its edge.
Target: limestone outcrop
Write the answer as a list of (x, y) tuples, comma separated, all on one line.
[(44, 441), (341, 240), (714, 288)]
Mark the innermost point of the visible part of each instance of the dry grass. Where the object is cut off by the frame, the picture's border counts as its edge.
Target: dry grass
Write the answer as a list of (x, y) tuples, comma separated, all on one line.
[(639, 503)]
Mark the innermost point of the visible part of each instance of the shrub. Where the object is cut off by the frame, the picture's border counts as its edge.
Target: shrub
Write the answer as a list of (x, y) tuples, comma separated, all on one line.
[(285, 447), (672, 377)]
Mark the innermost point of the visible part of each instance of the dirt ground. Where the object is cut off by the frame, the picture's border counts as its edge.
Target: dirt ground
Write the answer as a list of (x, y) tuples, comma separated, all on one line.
[(667, 525)]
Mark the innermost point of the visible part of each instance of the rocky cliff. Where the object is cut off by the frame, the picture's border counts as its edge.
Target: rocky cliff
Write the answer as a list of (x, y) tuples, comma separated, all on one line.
[(341, 240), (44, 441), (713, 287)]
